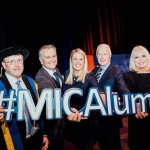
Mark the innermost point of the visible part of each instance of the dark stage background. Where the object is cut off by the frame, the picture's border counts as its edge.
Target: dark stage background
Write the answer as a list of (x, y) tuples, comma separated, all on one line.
[(70, 24)]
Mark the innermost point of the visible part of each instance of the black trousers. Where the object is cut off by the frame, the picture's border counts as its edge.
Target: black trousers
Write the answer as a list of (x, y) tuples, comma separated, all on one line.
[(81, 147), (34, 142), (109, 138), (56, 144)]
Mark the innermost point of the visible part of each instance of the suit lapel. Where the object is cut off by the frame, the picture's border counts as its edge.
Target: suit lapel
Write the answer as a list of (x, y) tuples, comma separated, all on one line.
[(95, 70), (47, 75), (106, 73), (60, 76)]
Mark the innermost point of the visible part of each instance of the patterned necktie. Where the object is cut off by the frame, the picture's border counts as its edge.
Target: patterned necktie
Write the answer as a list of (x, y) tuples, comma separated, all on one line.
[(56, 78), (27, 116), (98, 74)]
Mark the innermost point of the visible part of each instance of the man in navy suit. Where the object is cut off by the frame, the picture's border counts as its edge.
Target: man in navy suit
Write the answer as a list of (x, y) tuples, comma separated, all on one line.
[(49, 76), (108, 128)]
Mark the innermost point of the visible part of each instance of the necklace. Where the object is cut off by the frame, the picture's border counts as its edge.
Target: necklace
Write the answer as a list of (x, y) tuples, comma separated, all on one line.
[(75, 77)]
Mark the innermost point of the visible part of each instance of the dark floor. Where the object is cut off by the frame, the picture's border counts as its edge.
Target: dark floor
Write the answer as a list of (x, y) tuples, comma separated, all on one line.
[(123, 136)]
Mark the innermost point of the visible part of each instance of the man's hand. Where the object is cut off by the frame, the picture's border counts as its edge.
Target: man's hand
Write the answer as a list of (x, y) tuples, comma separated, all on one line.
[(140, 114), (76, 116), (116, 93), (1, 112), (103, 96), (46, 143)]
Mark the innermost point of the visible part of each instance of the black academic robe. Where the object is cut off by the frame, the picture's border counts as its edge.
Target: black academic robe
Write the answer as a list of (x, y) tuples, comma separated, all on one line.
[(138, 129), (27, 144)]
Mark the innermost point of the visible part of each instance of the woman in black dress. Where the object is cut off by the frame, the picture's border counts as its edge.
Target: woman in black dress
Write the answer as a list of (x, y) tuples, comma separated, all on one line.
[(79, 131), (138, 81)]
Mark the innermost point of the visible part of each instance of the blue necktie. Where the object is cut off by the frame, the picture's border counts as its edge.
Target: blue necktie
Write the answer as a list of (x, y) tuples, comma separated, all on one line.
[(56, 77), (29, 128)]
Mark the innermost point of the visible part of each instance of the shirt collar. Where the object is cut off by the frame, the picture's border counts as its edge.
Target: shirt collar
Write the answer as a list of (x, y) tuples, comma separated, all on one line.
[(105, 67), (49, 71), (12, 79)]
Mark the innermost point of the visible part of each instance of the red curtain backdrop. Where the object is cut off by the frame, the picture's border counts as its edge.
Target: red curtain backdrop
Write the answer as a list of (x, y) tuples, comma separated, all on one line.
[(90, 59), (120, 24)]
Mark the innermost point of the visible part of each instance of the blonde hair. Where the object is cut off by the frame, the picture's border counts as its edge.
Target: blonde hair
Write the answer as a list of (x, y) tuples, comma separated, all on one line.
[(45, 47), (136, 51), (84, 71)]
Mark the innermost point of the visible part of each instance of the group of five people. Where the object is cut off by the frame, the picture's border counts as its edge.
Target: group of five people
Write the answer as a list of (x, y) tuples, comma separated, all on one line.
[(83, 132)]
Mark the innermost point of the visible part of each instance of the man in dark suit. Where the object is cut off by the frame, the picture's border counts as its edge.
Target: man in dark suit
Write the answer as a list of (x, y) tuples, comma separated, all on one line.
[(15, 134), (49, 77), (108, 128)]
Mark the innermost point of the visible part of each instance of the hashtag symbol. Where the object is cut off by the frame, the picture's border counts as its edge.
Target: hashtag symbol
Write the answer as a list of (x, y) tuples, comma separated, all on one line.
[(10, 99)]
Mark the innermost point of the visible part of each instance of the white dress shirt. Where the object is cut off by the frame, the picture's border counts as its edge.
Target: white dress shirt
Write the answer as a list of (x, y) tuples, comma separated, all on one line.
[(12, 80), (51, 74)]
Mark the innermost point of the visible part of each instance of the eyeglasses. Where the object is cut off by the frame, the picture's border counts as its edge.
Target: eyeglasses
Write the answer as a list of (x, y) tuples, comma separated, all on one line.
[(13, 62)]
